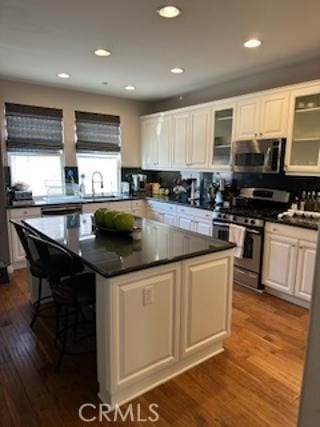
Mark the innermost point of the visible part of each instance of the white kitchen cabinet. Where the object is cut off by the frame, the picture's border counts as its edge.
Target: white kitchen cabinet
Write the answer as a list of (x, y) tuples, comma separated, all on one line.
[(122, 206), (247, 118), (150, 304), (164, 141), (156, 141), (138, 208), (274, 109), (203, 227), (263, 116), (149, 142), (206, 303), (192, 219), (156, 323), (289, 260), (200, 139), (191, 139), (303, 144), (181, 135), (305, 269), (185, 222), (280, 254), (17, 254), (222, 135)]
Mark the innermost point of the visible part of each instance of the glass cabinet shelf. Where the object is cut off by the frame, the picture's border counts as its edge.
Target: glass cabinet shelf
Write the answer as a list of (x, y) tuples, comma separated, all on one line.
[(223, 121), (305, 149)]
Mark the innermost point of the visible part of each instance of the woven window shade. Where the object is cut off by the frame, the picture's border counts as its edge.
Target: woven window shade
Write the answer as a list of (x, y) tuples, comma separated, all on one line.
[(31, 128), (97, 132)]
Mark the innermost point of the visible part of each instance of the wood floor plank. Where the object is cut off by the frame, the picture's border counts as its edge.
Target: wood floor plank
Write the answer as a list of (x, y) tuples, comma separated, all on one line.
[(254, 383)]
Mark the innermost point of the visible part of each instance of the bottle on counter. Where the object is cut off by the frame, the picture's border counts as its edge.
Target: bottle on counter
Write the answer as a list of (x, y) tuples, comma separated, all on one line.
[(302, 201), (295, 204), (308, 202)]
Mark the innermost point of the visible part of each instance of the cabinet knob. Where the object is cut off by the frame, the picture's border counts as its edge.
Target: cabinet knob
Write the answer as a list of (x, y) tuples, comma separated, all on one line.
[(261, 134)]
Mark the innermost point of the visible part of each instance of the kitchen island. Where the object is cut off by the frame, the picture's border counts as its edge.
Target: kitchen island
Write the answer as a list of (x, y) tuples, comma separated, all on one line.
[(163, 303)]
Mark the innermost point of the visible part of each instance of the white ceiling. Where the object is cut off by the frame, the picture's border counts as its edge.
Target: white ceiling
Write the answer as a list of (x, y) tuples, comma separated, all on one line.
[(40, 38)]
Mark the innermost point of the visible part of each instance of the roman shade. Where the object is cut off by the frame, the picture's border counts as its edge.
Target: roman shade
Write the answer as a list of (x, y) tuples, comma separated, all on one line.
[(97, 132), (31, 128)]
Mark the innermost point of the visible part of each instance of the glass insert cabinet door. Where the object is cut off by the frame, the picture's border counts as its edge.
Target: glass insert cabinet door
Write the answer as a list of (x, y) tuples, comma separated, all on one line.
[(305, 141), (222, 137)]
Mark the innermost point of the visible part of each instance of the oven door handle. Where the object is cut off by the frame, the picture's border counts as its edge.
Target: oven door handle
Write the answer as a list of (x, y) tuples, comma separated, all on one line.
[(251, 231), (223, 224)]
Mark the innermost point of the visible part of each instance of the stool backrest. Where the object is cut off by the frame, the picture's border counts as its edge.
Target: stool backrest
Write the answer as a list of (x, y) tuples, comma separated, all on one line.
[(54, 270), (22, 234)]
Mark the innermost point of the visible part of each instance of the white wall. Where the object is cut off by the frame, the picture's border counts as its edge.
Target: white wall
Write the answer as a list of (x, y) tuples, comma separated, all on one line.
[(70, 100)]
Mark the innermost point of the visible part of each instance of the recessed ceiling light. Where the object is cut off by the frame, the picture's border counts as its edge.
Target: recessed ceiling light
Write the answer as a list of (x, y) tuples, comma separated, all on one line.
[(169, 11), (252, 43), (64, 75), (129, 87), (102, 52), (177, 70)]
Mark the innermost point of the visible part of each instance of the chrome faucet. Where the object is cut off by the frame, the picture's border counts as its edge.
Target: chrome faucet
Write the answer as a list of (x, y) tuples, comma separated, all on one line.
[(94, 182)]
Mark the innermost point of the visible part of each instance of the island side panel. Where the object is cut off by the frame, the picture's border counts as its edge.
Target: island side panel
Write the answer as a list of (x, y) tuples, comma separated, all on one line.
[(141, 323), (206, 302)]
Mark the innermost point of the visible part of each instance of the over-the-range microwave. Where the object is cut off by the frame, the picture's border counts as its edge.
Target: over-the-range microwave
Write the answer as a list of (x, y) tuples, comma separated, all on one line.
[(258, 156)]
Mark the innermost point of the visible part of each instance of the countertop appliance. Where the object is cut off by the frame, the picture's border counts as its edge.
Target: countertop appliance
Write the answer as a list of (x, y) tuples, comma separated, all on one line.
[(262, 203), (20, 197), (258, 156), (138, 182)]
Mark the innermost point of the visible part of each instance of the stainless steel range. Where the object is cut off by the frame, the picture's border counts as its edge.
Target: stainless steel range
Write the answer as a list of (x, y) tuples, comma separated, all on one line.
[(258, 204)]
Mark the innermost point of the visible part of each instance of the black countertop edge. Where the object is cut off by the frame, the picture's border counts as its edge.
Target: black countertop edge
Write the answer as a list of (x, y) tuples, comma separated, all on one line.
[(307, 226), (154, 263), (224, 247), (41, 204), (165, 199)]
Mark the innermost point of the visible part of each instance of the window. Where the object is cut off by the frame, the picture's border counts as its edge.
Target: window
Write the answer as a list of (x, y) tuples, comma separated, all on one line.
[(41, 171), (34, 137), (107, 164), (98, 149)]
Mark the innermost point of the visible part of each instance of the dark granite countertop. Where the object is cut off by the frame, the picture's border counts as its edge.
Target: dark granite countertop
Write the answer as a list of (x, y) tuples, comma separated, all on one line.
[(44, 202), (199, 204), (296, 223), (111, 254)]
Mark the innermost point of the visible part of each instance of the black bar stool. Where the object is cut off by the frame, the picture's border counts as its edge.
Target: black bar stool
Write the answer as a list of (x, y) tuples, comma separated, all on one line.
[(72, 292), (38, 270)]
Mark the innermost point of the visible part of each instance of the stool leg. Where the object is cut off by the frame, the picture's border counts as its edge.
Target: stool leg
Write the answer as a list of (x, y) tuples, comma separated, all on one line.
[(64, 340), (76, 322), (37, 305)]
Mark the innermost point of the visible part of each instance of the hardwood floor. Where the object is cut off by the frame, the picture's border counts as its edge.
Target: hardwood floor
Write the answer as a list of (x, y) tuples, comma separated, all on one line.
[(255, 382)]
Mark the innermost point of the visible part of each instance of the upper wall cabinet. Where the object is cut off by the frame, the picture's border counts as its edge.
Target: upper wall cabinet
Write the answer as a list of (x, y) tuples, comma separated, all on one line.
[(149, 141), (191, 139), (222, 136), (156, 134), (181, 136), (200, 139), (303, 145), (262, 116)]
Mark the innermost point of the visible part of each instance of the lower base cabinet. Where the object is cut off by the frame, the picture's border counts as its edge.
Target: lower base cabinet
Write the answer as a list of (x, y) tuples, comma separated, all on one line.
[(289, 260), (155, 324)]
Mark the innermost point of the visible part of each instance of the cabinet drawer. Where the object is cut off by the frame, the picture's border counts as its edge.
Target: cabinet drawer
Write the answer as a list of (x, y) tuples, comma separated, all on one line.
[(203, 214), (291, 231), (162, 206), (185, 211), (137, 204), (24, 213)]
